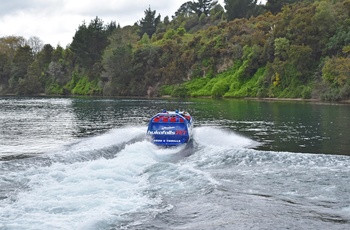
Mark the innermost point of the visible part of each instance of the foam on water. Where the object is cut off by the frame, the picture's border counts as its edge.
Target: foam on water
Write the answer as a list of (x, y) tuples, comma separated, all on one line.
[(82, 194), (211, 136), (106, 145), (103, 181), (78, 190), (111, 138)]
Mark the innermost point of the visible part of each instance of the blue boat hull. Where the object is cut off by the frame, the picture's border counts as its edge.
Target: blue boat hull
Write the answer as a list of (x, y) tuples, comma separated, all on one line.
[(170, 129)]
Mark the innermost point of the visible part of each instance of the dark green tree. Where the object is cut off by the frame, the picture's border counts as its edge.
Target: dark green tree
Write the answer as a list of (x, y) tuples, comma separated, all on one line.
[(241, 9), (340, 39), (89, 43), (202, 6), (57, 53), (145, 66), (275, 6), (185, 10), (55, 69), (148, 24), (31, 83), (117, 61), (23, 58), (5, 70), (45, 55), (118, 71)]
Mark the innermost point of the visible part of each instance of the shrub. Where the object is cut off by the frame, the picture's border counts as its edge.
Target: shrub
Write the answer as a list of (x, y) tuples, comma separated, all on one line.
[(220, 88)]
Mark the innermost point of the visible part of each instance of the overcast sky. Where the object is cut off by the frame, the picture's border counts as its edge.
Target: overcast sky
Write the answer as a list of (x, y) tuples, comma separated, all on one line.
[(56, 21)]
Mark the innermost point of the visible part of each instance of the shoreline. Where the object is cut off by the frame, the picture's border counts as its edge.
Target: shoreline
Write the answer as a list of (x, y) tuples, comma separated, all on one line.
[(170, 97)]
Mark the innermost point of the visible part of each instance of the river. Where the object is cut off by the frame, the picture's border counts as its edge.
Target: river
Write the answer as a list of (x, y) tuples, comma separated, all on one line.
[(83, 163)]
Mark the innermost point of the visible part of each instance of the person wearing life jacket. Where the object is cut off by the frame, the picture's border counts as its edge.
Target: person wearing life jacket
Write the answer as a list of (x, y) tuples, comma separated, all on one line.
[(187, 115)]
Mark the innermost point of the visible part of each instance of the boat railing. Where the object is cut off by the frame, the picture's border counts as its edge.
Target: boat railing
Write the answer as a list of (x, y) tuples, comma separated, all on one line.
[(170, 117)]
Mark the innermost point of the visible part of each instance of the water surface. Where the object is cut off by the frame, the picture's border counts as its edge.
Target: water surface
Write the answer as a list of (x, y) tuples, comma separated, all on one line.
[(83, 163)]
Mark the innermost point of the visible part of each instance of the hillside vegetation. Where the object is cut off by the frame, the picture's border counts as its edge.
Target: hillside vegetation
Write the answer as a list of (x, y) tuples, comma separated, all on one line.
[(284, 49)]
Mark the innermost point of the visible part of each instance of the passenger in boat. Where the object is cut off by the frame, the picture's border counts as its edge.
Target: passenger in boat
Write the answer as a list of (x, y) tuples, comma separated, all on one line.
[(187, 115)]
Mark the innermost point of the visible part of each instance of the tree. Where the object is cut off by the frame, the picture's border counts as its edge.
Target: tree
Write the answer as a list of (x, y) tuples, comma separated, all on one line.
[(184, 10), (45, 55), (36, 44), (282, 46), (241, 8), (89, 43), (23, 58), (148, 24), (196, 7), (336, 71), (5, 70), (275, 6), (117, 61), (30, 83), (202, 6), (9, 45), (118, 71)]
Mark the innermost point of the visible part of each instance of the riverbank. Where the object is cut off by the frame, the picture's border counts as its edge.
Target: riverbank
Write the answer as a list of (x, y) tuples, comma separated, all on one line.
[(170, 97)]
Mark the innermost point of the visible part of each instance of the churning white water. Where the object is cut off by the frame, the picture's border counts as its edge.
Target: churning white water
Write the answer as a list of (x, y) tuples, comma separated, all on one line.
[(118, 180)]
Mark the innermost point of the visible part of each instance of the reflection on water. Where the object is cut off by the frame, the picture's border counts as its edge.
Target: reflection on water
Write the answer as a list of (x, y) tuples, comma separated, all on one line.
[(282, 125)]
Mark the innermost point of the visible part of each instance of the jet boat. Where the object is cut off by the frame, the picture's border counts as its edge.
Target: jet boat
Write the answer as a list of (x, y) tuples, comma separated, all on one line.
[(170, 128)]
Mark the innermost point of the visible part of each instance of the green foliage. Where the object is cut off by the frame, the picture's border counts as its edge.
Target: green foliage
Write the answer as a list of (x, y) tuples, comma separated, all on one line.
[(300, 56), (45, 56), (180, 91), (181, 31), (196, 84), (54, 89), (5, 70), (251, 87), (303, 51), (306, 92), (281, 48), (22, 59), (86, 87), (220, 88), (166, 90), (145, 40), (169, 34), (275, 6), (72, 83), (88, 45), (30, 83), (336, 71), (340, 39)]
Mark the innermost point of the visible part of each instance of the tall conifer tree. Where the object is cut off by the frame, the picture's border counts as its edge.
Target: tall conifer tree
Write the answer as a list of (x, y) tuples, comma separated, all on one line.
[(149, 23)]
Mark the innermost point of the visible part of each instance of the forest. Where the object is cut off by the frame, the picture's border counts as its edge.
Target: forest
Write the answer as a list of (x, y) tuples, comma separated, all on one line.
[(283, 49)]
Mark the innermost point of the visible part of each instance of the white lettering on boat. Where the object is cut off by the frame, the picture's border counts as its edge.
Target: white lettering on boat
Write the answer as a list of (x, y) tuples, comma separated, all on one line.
[(162, 132)]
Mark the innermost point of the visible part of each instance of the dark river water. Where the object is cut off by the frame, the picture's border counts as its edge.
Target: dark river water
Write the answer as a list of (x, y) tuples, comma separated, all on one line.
[(84, 163)]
